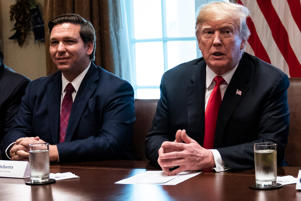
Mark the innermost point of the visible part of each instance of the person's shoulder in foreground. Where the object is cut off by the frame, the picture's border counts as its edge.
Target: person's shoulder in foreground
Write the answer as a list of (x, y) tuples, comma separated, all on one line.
[(12, 87)]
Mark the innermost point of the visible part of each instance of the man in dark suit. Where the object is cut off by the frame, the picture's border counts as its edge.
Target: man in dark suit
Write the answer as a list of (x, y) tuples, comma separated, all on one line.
[(188, 133), (12, 88), (99, 125)]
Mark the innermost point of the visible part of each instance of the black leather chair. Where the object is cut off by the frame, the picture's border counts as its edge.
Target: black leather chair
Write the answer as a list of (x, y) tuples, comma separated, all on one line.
[(293, 149), (145, 111)]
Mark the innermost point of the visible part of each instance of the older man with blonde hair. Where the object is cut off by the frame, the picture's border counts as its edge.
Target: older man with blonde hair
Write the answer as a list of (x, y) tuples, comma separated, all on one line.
[(213, 109)]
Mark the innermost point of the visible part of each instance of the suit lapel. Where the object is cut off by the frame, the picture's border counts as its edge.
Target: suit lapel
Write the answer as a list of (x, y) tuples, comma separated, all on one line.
[(85, 91), (54, 96), (195, 94), (235, 92)]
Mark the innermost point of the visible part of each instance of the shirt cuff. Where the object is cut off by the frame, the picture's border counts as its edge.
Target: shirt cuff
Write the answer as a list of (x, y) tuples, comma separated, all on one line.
[(7, 149), (219, 163)]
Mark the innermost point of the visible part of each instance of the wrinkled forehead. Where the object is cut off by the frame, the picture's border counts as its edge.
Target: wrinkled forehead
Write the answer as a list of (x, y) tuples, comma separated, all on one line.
[(219, 24), (215, 14)]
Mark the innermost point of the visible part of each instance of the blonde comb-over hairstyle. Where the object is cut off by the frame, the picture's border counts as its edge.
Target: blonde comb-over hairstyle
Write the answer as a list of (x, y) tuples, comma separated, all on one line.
[(224, 10)]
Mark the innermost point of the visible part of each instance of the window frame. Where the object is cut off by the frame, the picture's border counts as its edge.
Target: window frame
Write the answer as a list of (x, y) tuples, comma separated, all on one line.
[(164, 40)]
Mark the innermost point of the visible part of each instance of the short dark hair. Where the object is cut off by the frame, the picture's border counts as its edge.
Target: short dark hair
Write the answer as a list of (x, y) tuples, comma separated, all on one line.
[(87, 31)]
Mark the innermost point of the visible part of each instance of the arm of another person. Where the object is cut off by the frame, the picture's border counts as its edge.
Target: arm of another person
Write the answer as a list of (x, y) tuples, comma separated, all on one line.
[(12, 104), (273, 126), (23, 117), (114, 137)]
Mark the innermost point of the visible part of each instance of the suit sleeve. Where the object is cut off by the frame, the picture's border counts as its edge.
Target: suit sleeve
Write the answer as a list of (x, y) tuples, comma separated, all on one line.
[(115, 131), (22, 114), (13, 103), (160, 127), (273, 126)]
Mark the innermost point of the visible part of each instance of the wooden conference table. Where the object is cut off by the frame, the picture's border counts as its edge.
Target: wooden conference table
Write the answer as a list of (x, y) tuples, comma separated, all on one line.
[(97, 180)]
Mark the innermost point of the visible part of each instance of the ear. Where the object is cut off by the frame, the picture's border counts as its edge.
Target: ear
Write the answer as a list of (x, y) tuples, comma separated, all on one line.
[(90, 47), (243, 44)]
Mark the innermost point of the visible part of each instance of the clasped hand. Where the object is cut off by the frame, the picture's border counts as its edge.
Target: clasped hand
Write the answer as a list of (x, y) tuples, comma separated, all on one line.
[(185, 154), (20, 150)]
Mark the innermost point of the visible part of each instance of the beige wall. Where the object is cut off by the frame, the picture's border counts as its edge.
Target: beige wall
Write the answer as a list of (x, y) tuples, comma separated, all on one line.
[(29, 59)]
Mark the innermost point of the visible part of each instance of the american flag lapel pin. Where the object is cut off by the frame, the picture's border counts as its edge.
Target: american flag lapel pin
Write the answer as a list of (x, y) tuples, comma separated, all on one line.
[(238, 92)]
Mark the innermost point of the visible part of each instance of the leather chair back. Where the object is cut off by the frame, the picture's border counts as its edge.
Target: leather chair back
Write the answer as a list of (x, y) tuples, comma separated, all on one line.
[(145, 111), (293, 149)]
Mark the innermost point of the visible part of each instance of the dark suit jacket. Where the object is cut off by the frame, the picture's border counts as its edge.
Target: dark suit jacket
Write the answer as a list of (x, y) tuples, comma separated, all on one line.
[(12, 88), (260, 113), (100, 123)]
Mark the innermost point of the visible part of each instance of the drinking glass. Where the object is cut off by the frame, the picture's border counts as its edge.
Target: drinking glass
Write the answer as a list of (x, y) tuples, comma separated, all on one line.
[(39, 162), (265, 157)]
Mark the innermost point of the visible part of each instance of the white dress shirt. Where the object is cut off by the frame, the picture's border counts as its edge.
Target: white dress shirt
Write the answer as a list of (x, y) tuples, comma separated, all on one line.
[(75, 83), (210, 75)]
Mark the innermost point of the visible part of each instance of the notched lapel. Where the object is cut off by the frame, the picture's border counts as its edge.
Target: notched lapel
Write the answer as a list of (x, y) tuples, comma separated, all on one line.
[(85, 91), (235, 92), (53, 91), (195, 94)]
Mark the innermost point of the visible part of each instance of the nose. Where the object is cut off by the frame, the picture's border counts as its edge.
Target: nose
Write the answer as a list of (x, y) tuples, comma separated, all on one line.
[(217, 39), (61, 47)]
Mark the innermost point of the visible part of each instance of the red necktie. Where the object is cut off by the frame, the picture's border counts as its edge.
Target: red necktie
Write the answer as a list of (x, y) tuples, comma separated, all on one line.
[(65, 111), (211, 113)]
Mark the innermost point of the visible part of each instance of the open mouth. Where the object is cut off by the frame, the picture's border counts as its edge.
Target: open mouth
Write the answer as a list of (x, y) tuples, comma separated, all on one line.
[(217, 54)]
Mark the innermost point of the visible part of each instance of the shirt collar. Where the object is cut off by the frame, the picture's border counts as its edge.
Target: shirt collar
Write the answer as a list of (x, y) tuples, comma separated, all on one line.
[(76, 82), (210, 75)]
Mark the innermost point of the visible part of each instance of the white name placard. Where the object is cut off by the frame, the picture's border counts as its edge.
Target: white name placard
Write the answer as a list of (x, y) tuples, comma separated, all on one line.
[(14, 169)]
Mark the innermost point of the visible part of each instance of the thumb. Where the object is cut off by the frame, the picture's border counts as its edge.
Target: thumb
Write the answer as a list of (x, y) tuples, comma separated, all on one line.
[(185, 138), (37, 138)]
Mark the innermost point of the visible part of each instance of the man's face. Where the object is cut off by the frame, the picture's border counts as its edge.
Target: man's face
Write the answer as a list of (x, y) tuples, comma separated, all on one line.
[(220, 44), (68, 51)]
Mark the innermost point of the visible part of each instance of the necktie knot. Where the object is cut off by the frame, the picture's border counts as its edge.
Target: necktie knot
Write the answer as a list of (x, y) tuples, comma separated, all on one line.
[(69, 89), (218, 80)]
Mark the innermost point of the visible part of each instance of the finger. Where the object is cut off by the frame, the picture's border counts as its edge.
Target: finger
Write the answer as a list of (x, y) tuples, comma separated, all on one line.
[(172, 156), (161, 164), (37, 138), (41, 141), (171, 164), (176, 170), (19, 140), (22, 154), (178, 136), (186, 138), (17, 147), (172, 147), (165, 170), (29, 140)]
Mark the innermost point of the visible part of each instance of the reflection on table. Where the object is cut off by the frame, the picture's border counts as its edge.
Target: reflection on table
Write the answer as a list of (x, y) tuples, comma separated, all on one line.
[(97, 182)]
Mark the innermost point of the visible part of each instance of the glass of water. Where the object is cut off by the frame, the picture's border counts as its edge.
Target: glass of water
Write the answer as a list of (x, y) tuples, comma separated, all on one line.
[(39, 162), (265, 157)]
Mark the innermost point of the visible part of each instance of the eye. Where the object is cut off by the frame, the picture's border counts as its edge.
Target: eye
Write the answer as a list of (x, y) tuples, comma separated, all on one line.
[(207, 33), (69, 41), (53, 42), (226, 32)]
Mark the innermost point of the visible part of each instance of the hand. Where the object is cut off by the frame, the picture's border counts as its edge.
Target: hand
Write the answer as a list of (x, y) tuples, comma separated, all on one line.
[(185, 153), (53, 153), (20, 150)]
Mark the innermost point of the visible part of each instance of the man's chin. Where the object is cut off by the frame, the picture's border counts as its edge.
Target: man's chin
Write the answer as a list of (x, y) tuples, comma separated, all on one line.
[(220, 67), (218, 64), (63, 67)]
